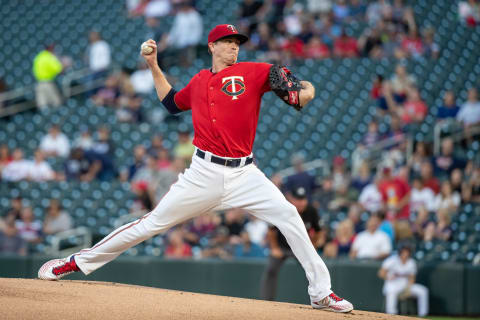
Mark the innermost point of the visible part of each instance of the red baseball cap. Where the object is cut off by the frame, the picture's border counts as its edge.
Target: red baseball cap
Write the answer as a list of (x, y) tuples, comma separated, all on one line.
[(226, 30)]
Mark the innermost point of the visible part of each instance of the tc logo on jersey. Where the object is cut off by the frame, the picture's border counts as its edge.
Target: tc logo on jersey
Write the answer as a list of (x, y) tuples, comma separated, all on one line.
[(233, 86)]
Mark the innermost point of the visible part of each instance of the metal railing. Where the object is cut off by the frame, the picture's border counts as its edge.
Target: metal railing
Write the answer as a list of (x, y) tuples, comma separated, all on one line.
[(307, 166), (81, 237), (451, 129), (67, 88)]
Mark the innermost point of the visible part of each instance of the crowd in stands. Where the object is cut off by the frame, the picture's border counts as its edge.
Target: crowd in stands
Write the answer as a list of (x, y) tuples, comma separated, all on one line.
[(402, 199)]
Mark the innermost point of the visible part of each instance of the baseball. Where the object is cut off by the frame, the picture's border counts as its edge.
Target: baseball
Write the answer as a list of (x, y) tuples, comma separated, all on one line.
[(146, 49)]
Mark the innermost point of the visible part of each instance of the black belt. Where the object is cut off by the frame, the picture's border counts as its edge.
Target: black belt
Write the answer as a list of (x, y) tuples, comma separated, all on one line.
[(224, 162)]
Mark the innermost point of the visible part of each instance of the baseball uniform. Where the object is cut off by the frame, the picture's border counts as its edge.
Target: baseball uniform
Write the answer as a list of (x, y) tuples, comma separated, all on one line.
[(225, 107), (397, 281)]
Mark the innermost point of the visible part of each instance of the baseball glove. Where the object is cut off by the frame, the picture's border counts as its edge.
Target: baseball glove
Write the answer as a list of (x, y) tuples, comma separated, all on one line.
[(285, 85)]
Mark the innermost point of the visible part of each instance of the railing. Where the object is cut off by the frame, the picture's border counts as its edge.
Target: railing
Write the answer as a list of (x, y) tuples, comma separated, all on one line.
[(81, 236), (452, 129), (312, 165), (68, 90)]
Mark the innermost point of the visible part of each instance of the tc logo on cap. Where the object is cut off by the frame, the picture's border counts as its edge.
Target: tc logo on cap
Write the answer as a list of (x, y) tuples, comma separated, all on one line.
[(232, 28)]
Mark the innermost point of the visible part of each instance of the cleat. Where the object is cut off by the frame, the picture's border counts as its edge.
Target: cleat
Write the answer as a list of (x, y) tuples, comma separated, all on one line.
[(57, 268), (333, 303)]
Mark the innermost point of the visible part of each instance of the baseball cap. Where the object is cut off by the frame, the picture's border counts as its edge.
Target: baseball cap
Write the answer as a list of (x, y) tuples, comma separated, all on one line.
[(299, 193), (226, 30)]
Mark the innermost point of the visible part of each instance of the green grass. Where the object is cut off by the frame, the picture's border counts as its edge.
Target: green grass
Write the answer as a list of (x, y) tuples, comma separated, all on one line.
[(452, 318)]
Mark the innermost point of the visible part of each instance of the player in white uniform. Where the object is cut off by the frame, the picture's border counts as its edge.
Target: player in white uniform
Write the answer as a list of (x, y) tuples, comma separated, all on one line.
[(399, 273)]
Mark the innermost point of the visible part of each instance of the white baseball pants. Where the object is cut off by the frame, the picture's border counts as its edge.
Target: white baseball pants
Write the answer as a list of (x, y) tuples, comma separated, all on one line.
[(207, 186), (417, 290)]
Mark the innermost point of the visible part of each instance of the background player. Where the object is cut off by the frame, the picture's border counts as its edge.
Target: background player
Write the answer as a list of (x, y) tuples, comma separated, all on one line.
[(399, 273), (225, 102)]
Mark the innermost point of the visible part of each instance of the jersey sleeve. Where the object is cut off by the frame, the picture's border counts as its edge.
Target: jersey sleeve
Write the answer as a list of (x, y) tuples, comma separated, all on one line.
[(182, 97), (388, 263), (263, 71)]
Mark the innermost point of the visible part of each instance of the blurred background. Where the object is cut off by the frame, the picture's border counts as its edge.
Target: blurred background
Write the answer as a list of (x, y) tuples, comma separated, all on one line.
[(386, 156)]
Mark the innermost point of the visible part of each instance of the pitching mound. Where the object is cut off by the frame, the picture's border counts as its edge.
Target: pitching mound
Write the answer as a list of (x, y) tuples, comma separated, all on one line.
[(38, 299)]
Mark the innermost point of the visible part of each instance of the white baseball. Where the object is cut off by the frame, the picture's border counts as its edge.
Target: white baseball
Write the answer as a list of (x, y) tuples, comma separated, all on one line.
[(146, 49)]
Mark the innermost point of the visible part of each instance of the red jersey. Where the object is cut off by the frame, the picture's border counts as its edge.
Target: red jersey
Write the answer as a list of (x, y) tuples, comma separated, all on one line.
[(393, 191), (225, 107)]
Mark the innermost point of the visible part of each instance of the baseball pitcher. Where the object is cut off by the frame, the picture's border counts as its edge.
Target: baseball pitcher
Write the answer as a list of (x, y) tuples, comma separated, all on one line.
[(225, 104)]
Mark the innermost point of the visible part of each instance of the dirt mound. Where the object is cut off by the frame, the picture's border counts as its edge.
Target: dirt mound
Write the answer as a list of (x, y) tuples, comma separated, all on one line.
[(38, 299)]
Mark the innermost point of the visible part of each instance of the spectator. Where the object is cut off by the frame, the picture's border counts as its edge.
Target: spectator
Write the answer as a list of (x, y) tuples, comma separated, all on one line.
[(400, 83), (108, 95), (319, 7), (10, 241), (101, 155), (414, 110), (342, 243), (386, 226), (316, 49), (325, 195), (139, 160), (5, 157), (357, 10), (251, 12), (46, 67), (301, 178), (420, 224), (399, 273), (247, 249), (184, 148), (156, 145), (370, 198), (446, 162), (456, 180), (345, 46), (469, 12), (18, 169), (154, 29), (440, 230), (219, 246), (471, 188), (16, 207), (341, 177), (166, 177), (419, 156), (163, 159), (184, 35), (427, 177), (421, 197), (147, 173), (469, 113), (129, 108), (371, 243), (372, 137), (201, 229), (28, 228), (39, 169), (447, 198), (413, 45), (395, 131), (143, 201), (376, 10), (98, 56), (279, 248), (395, 194), (142, 79), (136, 8), (177, 248), (341, 11), (77, 167), (431, 48), (449, 109), (362, 178), (84, 141), (234, 221), (377, 93), (344, 197), (56, 220), (257, 230), (157, 8), (55, 143)]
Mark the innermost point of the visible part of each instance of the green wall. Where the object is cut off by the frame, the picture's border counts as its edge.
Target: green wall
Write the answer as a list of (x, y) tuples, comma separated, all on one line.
[(454, 288)]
